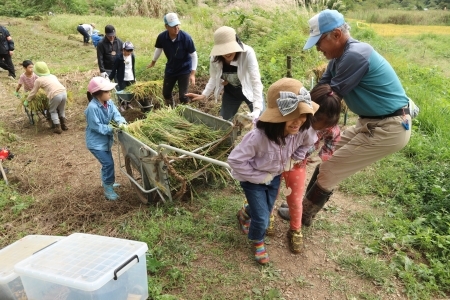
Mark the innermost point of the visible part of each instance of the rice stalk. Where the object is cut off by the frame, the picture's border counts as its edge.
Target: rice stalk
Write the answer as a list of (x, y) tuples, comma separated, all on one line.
[(168, 126)]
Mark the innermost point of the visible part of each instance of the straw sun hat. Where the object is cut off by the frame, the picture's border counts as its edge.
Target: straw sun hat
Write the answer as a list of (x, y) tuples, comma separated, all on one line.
[(225, 42), (287, 99)]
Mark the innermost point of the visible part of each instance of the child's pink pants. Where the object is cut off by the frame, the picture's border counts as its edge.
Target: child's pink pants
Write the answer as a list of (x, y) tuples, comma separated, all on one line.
[(295, 179)]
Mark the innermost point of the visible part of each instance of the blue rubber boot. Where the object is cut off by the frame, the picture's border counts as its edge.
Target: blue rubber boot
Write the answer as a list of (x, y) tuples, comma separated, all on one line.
[(115, 185), (109, 192)]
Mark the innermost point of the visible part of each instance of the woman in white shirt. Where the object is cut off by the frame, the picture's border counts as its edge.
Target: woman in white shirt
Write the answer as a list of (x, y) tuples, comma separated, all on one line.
[(233, 69)]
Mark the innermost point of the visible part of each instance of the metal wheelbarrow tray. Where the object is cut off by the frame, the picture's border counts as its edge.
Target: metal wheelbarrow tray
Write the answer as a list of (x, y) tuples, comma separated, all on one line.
[(148, 174), (145, 105)]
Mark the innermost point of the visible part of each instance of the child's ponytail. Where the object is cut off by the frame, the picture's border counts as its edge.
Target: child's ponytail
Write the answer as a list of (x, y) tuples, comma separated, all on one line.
[(89, 96), (329, 104)]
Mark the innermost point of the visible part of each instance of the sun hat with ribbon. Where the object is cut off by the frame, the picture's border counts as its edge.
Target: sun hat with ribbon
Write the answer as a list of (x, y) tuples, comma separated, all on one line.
[(287, 99), (225, 42)]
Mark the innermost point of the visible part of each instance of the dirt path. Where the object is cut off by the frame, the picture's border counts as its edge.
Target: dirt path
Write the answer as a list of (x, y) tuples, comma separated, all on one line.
[(63, 177)]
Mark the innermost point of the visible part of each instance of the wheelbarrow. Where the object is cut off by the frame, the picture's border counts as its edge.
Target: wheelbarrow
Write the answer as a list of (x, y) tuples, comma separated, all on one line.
[(148, 168), (122, 96), (31, 114)]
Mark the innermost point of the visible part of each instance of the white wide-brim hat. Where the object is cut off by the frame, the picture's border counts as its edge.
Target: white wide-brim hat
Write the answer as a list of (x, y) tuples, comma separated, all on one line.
[(225, 42)]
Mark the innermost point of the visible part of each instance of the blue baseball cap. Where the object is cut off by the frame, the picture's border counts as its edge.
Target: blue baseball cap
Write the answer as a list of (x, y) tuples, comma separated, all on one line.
[(323, 22)]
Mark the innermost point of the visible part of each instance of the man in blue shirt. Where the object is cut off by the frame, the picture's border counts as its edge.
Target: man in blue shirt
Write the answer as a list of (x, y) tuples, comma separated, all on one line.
[(182, 59), (370, 88)]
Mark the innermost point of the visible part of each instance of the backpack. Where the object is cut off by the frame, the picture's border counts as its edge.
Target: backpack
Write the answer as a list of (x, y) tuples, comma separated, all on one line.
[(96, 38)]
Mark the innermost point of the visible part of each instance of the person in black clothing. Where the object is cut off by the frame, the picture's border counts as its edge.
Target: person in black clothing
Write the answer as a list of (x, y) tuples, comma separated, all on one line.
[(107, 51), (123, 70), (6, 51)]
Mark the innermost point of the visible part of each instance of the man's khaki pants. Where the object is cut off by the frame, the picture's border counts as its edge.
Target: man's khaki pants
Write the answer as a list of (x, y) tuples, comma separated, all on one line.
[(361, 145)]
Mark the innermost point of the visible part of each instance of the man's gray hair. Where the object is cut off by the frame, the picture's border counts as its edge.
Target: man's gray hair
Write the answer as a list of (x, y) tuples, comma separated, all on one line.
[(345, 29)]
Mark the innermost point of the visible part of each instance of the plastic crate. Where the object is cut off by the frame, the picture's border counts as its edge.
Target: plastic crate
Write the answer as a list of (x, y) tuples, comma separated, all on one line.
[(86, 266), (11, 287)]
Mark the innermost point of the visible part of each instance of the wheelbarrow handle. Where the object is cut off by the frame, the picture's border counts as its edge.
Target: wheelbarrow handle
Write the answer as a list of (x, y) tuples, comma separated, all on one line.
[(29, 115), (3, 172), (195, 155)]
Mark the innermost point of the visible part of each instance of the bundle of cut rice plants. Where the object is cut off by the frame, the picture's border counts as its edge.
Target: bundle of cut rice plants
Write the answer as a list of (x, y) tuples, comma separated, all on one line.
[(168, 126), (145, 89), (39, 102)]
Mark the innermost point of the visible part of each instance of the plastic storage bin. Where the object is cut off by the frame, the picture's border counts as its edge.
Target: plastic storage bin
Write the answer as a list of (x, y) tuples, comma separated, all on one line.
[(84, 267), (11, 287)]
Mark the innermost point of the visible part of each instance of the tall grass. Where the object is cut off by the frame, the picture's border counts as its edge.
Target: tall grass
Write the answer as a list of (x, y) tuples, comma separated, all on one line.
[(405, 17), (413, 183)]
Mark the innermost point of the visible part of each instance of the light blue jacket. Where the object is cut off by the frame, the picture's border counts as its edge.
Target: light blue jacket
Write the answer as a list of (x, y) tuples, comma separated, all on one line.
[(99, 134)]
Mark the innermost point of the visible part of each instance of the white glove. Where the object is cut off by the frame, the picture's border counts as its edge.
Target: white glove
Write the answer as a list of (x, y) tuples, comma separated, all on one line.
[(255, 114), (104, 75), (289, 164), (123, 126), (267, 179)]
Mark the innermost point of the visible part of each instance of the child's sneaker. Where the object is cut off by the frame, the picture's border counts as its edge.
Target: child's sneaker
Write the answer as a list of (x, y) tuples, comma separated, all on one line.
[(270, 231), (295, 240)]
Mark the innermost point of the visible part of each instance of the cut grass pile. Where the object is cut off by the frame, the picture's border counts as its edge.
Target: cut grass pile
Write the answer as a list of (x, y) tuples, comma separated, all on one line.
[(169, 126)]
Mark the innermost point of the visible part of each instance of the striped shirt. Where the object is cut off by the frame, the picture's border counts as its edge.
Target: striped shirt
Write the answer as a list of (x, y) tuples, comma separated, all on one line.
[(330, 137), (27, 82)]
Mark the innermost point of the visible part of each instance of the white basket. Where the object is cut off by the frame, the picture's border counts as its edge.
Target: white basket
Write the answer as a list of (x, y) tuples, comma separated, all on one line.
[(11, 287), (86, 266)]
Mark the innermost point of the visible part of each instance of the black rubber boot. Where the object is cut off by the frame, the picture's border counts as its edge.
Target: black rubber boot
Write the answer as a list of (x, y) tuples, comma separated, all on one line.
[(313, 178), (57, 129), (63, 124), (313, 202)]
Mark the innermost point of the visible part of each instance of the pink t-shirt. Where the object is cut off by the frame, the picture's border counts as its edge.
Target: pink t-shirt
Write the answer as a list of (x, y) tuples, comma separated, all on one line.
[(27, 82)]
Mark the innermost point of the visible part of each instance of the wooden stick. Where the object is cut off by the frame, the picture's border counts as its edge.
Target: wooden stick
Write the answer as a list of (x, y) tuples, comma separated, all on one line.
[(3, 172)]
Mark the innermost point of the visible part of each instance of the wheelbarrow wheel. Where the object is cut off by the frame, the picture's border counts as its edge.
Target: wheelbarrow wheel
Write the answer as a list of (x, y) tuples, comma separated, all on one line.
[(133, 169)]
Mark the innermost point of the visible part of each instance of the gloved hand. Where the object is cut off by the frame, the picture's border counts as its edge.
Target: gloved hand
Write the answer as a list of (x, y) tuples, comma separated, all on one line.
[(25, 103), (289, 164), (267, 179), (17, 94), (104, 75), (123, 126), (255, 113)]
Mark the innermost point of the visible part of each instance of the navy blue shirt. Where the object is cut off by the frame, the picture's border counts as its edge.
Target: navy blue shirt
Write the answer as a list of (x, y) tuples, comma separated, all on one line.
[(178, 52)]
